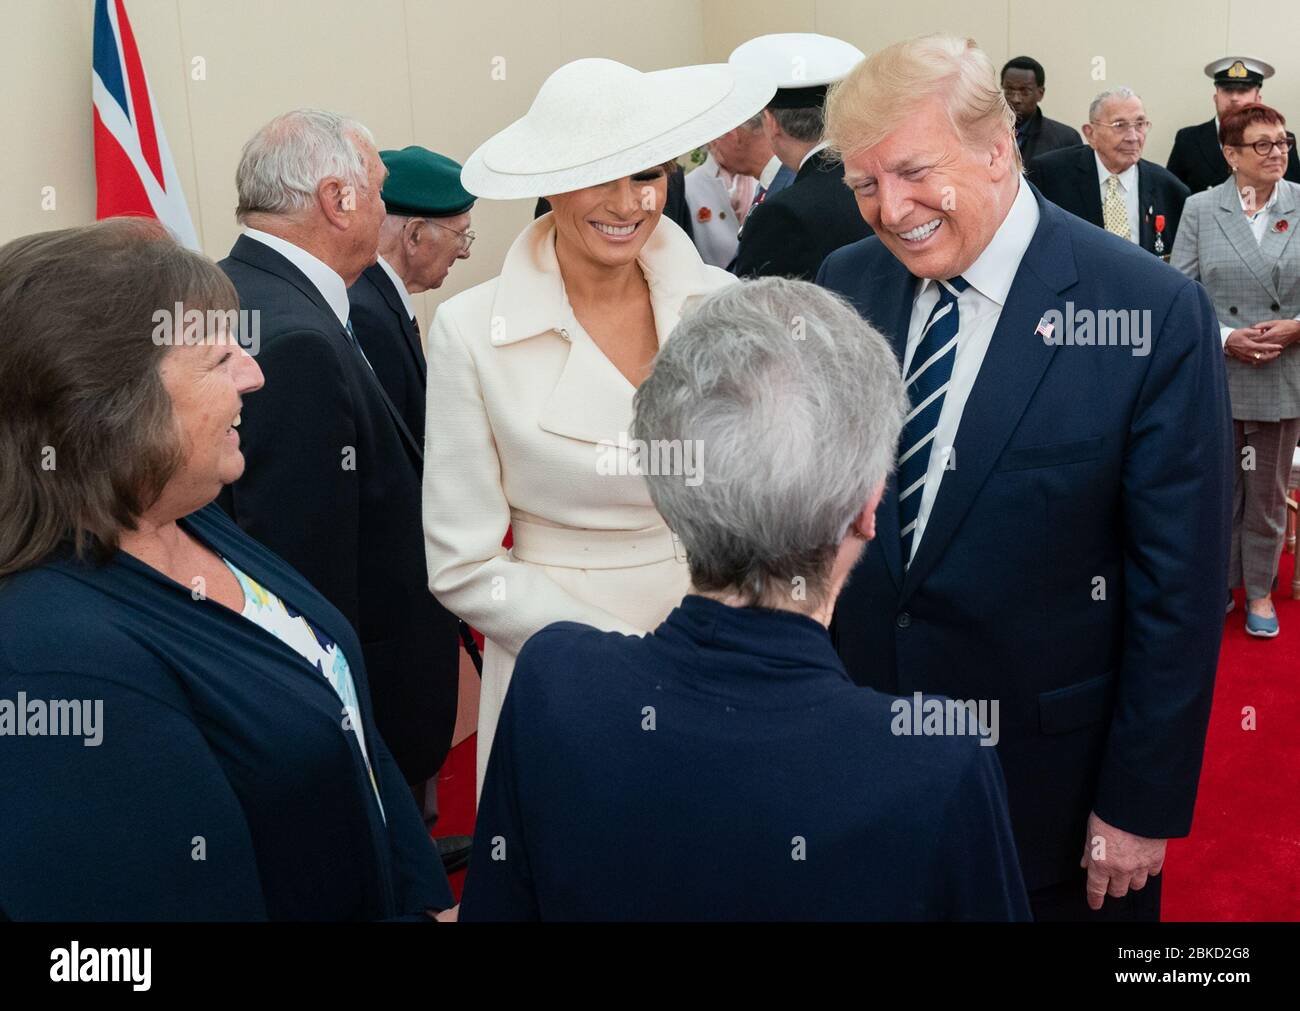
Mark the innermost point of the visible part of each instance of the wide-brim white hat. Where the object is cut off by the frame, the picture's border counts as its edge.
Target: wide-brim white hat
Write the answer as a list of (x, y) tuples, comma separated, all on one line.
[(596, 120)]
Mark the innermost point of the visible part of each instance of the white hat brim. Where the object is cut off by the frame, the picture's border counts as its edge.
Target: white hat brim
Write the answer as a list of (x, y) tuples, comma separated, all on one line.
[(602, 121)]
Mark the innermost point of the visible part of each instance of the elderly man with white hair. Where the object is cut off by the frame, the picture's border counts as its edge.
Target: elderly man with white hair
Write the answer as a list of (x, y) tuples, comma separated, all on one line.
[(1056, 537), (730, 732), (333, 474), (1108, 182)]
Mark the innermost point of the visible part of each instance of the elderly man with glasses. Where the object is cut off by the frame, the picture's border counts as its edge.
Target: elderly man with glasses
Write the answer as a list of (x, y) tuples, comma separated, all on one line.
[(1109, 182), (425, 231)]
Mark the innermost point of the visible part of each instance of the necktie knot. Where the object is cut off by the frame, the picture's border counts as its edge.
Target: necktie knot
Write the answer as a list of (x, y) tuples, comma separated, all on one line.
[(952, 287)]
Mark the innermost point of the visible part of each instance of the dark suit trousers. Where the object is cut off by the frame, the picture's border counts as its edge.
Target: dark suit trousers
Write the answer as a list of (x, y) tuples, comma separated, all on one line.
[(1069, 903)]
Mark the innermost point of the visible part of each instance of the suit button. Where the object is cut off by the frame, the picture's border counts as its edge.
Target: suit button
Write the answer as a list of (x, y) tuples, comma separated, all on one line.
[(904, 620), (1275, 307), (1232, 309)]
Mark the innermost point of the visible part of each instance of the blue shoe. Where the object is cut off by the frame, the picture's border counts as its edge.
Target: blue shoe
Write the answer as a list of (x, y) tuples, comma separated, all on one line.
[(1261, 628)]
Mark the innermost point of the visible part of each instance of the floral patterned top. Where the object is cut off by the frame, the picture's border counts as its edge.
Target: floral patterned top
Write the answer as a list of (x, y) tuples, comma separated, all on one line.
[(295, 630)]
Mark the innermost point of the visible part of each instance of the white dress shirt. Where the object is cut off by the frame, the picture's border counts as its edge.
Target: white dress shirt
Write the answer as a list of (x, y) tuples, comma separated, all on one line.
[(1128, 189), (980, 307), (400, 285), (769, 172)]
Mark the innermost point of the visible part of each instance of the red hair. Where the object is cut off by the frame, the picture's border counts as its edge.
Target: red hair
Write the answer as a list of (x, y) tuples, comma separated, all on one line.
[(1232, 127)]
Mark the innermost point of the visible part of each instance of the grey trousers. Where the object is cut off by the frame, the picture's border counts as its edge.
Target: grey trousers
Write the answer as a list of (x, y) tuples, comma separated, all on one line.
[(1259, 502)]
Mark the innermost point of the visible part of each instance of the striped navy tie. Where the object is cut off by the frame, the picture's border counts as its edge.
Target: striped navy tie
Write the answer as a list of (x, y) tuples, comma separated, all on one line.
[(927, 382)]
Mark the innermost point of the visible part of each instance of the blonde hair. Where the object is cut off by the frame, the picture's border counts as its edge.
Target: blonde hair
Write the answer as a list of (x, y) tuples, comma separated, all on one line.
[(883, 91)]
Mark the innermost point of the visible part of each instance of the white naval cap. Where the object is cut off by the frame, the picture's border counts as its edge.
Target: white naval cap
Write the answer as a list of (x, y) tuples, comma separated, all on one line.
[(801, 64)]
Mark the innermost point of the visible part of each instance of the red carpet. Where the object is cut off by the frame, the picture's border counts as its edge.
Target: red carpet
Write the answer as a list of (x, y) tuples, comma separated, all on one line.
[(1242, 860)]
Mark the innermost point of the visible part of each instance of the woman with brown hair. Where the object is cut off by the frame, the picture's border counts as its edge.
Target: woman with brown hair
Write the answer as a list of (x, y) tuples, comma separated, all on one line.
[(185, 727)]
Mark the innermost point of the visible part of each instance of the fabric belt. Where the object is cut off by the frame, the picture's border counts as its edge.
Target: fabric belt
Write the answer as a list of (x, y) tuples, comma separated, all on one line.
[(572, 548)]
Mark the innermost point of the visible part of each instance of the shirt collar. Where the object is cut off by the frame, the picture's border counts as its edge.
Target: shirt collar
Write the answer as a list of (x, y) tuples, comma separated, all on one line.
[(1127, 178), (817, 150), (769, 172), (530, 298), (400, 285), (1268, 204), (995, 268), (319, 273)]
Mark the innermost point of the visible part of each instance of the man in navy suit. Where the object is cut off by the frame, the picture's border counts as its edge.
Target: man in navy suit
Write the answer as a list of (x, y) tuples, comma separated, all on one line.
[(332, 475), (1108, 182), (1056, 535)]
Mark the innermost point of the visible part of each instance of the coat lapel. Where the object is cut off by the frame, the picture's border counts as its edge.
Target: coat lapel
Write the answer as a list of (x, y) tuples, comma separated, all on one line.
[(410, 331), (1012, 368), (1147, 209), (1275, 242), (1207, 143), (591, 401), (1089, 188), (897, 317), (1236, 229)]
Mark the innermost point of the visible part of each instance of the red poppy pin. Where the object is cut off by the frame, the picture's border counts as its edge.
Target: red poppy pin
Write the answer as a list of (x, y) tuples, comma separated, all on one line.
[(1280, 226), (1160, 222), (703, 215)]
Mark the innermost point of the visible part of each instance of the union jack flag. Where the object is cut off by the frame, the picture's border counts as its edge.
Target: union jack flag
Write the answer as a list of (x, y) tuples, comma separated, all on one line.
[(134, 171)]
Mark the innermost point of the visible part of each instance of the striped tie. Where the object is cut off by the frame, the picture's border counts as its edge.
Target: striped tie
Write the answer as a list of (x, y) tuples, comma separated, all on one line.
[(927, 382)]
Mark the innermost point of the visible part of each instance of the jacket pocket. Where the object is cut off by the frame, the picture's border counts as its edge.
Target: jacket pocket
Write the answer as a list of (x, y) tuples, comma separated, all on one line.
[(1054, 455), (1079, 705)]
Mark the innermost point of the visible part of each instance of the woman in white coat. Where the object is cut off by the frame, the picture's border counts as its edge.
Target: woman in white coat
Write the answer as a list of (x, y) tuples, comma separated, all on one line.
[(531, 374)]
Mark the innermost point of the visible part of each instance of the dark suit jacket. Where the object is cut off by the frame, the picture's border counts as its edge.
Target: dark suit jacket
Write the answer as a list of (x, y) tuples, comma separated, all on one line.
[(759, 747), (1075, 560), (1041, 135), (210, 727), (391, 340), (1197, 158), (674, 203), (791, 232), (333, 484), (1068, 178)]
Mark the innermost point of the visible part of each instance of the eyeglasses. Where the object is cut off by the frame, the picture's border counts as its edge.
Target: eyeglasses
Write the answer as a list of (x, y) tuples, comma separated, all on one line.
[(1124, 125), (1264, 148), (466, 237)]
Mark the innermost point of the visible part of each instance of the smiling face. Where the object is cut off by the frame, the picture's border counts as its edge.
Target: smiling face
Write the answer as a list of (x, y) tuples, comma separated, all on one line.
[(609, 224), (1254, 169), (207, 381), (934, 201), (1120, 149)]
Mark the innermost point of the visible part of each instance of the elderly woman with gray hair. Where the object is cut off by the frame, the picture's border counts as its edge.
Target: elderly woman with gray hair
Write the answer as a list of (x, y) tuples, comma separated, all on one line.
[(731, 731)]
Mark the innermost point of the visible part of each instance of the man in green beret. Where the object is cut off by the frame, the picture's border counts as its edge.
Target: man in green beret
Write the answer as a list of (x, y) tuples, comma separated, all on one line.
[(426, 230)]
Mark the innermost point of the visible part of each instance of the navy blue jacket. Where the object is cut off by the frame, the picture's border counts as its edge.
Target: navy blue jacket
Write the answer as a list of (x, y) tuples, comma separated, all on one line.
[(1074, 565), (724, 768), (1068, 178), (211, 728), (391, 341)]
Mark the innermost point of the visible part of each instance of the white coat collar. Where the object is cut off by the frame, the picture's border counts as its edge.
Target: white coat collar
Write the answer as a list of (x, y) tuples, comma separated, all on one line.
[(530, 297), (591, 401)]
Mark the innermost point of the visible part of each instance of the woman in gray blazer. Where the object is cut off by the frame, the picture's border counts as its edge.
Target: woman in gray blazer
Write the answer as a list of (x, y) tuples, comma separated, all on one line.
[(1236, 240)]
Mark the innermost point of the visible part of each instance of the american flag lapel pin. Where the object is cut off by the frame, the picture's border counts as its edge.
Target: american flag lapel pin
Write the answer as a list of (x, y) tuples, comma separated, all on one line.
[(1044, 328)]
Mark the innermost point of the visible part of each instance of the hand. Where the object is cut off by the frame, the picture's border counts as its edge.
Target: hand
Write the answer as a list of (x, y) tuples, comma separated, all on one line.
[(449, 915), (1249, 345), (1279, 331), (1117, 861)]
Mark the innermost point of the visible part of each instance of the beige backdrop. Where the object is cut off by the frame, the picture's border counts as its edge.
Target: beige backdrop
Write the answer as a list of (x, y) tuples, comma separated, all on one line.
[(422, 71)]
